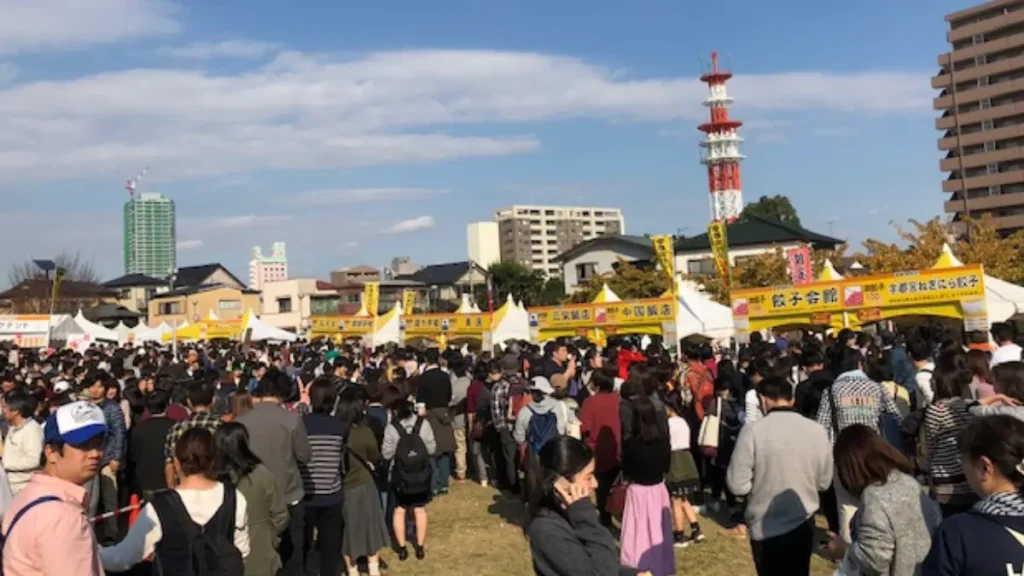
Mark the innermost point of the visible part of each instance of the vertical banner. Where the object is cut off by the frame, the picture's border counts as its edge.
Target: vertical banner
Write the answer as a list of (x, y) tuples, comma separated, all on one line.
[(665, 255), (57, 277), (799, 260), (371, 297), (720, 250), (408, 301)]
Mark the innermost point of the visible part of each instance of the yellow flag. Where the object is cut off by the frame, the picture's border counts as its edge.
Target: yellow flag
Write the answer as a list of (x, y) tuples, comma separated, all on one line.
[(665, 255), (720, 250), (408, 301), (371, 297)]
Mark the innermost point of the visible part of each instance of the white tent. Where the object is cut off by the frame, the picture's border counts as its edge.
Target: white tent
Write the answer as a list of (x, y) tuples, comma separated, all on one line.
[(698, 314), (389, 328), (264, 331), (123, 333), (63, 326), (94, 330), (511, 322), (143, 333), (1003, 300)]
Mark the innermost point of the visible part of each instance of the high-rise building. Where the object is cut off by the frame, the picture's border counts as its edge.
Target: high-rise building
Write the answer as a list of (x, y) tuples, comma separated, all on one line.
[(271, 268), (982, 106), (482, 243), (149, 236), (534, 235)]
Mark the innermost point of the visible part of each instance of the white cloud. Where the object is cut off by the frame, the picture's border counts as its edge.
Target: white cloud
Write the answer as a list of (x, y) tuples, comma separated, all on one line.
[(231, 222), (329, 196), (189, 244), (304, 112), (412, 225), (38, 25), (240, 49)]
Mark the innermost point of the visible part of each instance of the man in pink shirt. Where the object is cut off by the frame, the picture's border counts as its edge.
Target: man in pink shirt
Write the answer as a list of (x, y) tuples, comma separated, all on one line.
[(46, 530)]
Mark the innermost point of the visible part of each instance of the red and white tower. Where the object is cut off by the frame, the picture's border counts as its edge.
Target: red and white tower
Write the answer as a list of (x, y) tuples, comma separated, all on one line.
[(721, 143)]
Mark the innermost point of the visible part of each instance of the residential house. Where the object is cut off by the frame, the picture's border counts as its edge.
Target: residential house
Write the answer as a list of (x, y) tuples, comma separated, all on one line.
[(200, 290), (134, 291), (600, 256), (288, 304), (355, 275), (33, 296), (444, 284), (206, 274), (746, 239), (350, 295)]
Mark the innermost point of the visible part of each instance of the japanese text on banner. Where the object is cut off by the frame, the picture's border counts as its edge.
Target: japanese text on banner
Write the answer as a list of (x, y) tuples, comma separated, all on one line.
[(799, 260), (665, 254), (371, 297), (408, 301), (720, 250), (451, 324), (639, 312)]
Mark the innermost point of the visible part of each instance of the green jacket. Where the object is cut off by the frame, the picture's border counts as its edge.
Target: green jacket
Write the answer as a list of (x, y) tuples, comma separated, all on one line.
[(268, 518)]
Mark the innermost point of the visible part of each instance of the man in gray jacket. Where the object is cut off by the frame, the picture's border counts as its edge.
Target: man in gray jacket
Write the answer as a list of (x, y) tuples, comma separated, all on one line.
[(278, 437), (780, 463)]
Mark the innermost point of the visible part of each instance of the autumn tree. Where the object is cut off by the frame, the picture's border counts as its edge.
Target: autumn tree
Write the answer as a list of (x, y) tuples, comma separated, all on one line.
[(776, 207), (766, 269), (628, 281)]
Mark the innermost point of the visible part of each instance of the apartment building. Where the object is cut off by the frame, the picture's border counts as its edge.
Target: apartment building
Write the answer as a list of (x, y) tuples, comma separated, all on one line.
[(149, 236), (981, 80), (535, 235)]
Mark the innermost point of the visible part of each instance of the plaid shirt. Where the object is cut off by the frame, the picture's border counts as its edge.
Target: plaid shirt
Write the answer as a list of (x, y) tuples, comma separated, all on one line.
[(196, 420), (499, 405), (856, 399)]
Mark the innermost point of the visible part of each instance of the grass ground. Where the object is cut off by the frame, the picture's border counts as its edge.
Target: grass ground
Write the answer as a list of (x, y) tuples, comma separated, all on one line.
[(475, 531)]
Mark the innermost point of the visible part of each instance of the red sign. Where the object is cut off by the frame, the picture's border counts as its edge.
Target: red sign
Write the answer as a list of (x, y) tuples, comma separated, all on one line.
[(799, 265)]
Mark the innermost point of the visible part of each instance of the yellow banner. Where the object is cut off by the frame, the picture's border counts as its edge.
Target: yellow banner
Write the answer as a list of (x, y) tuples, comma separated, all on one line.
[(665, 255), (408, 301), (341, 324), (871, 292), (720, 250), (446, 323), (634, 313), (371, 297)]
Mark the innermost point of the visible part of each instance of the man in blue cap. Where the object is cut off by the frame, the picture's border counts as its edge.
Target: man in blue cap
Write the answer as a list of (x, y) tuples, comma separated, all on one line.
[(51, 507)]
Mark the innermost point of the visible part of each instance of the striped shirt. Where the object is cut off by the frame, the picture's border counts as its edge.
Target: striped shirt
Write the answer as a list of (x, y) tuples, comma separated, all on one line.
[(943, 421), (322, 476), (855, 399)]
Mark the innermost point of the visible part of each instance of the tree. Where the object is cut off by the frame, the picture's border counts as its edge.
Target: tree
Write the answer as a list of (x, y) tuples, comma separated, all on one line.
[(772, 207), (627, 280), (553, 292), (513, 278), (766, 269), (75, 268), (1002, 257)]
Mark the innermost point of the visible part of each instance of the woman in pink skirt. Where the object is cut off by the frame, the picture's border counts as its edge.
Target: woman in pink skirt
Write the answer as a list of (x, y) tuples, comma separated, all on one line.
[(647, 520)]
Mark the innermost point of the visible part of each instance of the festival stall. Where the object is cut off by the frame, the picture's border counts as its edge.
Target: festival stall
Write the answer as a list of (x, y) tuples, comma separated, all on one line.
[(207, 330), (26, 330), (598, 320), (371, 331), (511, 322), (93, 330), (258, 330), (833, 301), (697, 314), (444, 328), (142, 333)]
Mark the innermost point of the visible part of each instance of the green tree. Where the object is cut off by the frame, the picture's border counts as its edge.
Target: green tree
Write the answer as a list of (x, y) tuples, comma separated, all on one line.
[(521, 282), (553, 292), (628, 281), (772, 207)]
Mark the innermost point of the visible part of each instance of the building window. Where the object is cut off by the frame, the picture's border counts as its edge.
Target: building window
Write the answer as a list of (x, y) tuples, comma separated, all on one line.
[(702, 267), (354, 298), (229, 304), (585, 271), (284, 305), (170, 308)]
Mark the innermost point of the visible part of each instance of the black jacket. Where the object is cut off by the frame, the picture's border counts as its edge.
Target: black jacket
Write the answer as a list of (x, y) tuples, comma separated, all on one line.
[(434, 388), (976, 544), (810, 391), (573, 543)]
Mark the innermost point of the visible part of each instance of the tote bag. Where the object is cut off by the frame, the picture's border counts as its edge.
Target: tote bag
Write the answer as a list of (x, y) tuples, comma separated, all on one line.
[(707, 438)]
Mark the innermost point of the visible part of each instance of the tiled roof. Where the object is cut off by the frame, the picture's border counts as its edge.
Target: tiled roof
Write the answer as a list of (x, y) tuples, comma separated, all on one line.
[(756, 231), (441, 274), (606, 241), (134, 280), (196, 275)]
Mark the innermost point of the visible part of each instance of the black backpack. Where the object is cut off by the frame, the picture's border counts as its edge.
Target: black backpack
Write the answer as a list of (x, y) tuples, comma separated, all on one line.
[(188, 549), (411, 473), (24, 509)]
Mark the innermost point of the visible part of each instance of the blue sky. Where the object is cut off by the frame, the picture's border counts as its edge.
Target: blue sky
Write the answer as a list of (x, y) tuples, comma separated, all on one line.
[(359, 131)]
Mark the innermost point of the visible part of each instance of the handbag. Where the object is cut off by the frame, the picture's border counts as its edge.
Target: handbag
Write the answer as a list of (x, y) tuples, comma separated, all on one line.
[(572, 429), (707, 438), (615, 506)]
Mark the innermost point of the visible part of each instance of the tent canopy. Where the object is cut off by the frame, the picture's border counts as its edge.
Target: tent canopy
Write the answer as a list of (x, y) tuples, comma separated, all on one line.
[(698, 314), (94, 330), (1003, 300), (264, 331)]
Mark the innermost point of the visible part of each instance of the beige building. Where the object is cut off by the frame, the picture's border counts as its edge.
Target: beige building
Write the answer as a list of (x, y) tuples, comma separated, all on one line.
[(355, 275), (194, 304), (288, 304), (535, 235)]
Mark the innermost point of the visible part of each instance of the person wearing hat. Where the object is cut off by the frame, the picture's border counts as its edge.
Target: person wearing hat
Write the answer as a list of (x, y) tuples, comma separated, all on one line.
[(542, 403), (51, 507)]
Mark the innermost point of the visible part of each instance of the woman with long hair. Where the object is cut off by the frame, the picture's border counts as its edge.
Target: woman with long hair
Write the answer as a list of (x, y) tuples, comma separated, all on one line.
[(944, 418), (981, 375), (988, 540), (268, 512), (209, 505), (896, 520), (646, 456), (366, 531), (565, 532)]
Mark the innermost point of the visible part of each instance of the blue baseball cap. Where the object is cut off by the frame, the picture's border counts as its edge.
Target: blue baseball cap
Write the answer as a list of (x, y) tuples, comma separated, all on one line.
[(75, 424)]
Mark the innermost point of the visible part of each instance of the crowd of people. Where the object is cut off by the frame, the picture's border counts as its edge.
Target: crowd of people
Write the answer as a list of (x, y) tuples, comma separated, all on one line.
[(313, 458)]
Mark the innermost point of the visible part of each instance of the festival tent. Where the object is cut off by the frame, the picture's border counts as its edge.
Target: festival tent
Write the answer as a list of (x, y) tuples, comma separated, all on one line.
[(606, 295), (94, 330), (466, 307), (264, 331), (828, 272), (388, 328), (696, 313), (1003, 300), (143, 333), (63, 326), (511, 322), (123, 333)]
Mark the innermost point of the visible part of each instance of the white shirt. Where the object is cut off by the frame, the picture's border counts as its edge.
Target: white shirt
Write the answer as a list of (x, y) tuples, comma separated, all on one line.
[(22, 449), (751, 407), (925, 389), (1009, 353), (144, 535), (678, 433)]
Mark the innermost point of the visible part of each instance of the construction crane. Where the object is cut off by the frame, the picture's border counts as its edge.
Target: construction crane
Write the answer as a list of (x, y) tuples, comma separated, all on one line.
[(131, 185)]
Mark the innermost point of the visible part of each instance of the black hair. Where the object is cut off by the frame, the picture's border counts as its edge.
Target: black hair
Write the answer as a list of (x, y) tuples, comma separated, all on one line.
[(201, 394), (20, 402), (157, 401), (919, 350), (775, 388), (235, 460), (431, 355), (812, 357), (322, 395), (562, 456), (999, 438), (648, 423), (848, 359), (351, 408), (877, 368), (762, 368), (1002, 332), (1008, 378), (603, 380)]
